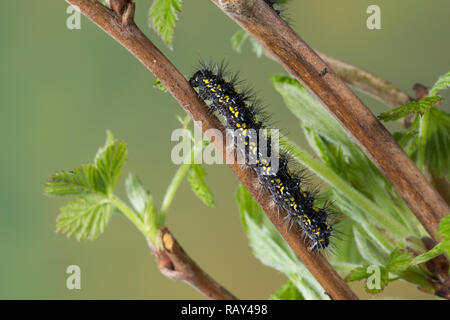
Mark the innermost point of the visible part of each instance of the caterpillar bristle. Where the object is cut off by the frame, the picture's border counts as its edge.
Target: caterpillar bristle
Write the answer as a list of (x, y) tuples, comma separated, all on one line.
[(277, 172)]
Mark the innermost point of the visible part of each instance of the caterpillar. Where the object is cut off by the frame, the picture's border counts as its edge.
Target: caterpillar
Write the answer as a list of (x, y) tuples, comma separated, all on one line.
[(240, 112), (271, 4)]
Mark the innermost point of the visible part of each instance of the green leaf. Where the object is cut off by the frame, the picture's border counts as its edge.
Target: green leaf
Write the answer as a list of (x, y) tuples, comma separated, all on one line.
[(288, 291), (196, 178), (424, 257), (271, 249), (398, 261), (159, 86), (442, 83), (257, 47), (357, 274), (307, 109), (82, 180), (436, 138), (138, 196), (100, 176), (163, 17), (109, 162), (444, 232), (105, 3), (373, 274), (238, 39), (368, 251), (414, 107), (85, 217), (142, 202)]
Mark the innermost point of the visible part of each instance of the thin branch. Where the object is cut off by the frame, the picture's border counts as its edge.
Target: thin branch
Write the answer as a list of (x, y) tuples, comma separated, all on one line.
[(175, 264), (305, 65), (367, 82), (132, 38), (172, 259)]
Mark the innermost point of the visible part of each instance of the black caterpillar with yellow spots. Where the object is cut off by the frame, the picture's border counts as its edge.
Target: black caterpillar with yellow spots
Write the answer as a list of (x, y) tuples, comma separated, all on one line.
[(241, 114)]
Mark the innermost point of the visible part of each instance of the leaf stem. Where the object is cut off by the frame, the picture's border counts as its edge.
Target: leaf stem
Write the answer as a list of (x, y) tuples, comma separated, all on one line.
[(127, 212), (172, 189)]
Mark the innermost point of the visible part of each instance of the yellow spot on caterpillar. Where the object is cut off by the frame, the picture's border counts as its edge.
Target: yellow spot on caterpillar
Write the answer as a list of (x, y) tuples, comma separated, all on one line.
[(236, 114), (315, 209), (206, 81)]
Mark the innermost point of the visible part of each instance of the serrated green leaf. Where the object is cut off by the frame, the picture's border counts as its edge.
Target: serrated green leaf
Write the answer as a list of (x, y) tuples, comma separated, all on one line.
[(271, 249), (288, 291), (444, 232), (85, 217), (383, 281), (110, 161), (442, 83), (159, 86), (163, 17), (82, 180), (238, 39), (414, 107), (357, 274), (399, 260), (436, 137), (196, 177), (376, 277), (407, 139)]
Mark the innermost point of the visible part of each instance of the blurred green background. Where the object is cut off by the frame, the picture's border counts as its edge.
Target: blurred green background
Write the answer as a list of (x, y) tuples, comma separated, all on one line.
[(61, 90)]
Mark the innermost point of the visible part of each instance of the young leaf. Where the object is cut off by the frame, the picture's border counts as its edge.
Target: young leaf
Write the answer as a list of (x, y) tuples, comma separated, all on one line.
[(238, 40), (414, 107), (271, 249), (159, 86), (82, 180), (257, 47), (288, 291), (163, 17), (85, 217), (444, 232), (109, 163), (196, 178), (442, 83), (377, 277), (398, 261), (138, 196), (357, 274), (436, 138)]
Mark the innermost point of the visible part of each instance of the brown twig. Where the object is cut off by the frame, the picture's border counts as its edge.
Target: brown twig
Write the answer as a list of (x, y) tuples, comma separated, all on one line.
[(175, 264), (305, 65), (132, 38), (365, 81)]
